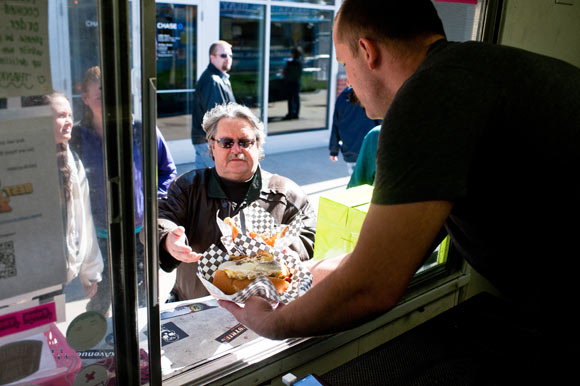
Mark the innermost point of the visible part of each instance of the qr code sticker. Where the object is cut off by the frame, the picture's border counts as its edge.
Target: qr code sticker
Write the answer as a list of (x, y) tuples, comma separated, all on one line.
[(7, 260)]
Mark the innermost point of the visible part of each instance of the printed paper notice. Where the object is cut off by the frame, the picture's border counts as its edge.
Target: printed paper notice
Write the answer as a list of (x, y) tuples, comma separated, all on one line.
[(31, 222), (24, 48)]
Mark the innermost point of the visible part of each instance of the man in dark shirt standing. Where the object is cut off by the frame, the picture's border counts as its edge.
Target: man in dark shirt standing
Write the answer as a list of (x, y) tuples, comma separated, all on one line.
[(349, 127), (213, 88), (479, 139)]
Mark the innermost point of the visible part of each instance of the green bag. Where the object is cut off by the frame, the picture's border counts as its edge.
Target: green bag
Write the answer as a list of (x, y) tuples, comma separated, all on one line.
[(339, 221), (340, 218)]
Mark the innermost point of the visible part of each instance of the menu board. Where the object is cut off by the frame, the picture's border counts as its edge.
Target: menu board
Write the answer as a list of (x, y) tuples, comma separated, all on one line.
[(32, 255), (24, 48)]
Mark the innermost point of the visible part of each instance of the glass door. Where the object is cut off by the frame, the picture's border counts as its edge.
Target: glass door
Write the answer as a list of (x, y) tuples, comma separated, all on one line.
[(72, 268), (176, 51)]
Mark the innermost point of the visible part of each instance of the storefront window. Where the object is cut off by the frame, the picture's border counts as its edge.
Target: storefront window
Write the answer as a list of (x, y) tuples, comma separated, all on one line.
[(461, 21), (242, 25), (55, 260), (320, 2), (300, 48), (176, 39), (83, 25)]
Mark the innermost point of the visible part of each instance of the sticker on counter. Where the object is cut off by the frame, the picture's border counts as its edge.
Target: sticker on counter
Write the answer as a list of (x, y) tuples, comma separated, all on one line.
[(27, 319), (110, 339), (232, 333), (184, 310), (95, 354), (86, 330), (92, 375), (171, 333)]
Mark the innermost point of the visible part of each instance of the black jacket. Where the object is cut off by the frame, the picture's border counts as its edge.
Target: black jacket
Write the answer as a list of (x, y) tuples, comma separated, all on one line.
[(193, 201), (213, 88)]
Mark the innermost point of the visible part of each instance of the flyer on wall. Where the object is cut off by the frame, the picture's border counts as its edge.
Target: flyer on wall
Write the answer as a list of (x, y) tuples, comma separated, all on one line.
[(32, 255)]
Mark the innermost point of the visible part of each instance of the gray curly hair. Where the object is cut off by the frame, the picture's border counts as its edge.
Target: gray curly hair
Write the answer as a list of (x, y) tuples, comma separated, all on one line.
[(233, 110)]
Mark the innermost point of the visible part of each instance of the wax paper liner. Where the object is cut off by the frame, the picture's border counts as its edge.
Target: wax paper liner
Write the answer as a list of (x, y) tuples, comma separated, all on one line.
[(259, 221), (261, 286)]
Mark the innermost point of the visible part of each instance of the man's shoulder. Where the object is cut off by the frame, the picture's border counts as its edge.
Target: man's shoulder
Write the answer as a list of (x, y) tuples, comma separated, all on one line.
[(207, 75), (193, 179), (276, 183)]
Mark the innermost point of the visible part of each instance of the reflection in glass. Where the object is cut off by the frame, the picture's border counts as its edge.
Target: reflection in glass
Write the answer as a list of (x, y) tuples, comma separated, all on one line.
[(83, 256), (307, 31), (176, 43), (320, 2), (242, 25), (83, 25)]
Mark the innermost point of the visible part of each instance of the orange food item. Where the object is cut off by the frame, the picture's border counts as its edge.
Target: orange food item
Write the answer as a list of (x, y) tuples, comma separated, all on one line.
[(235, 230), (271, 240)]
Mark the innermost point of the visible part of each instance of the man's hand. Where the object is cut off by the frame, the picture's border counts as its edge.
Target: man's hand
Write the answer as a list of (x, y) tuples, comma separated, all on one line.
[(255, 315), (176, 245), (90, 289), (322, 268), (393, 241), (334, 158)]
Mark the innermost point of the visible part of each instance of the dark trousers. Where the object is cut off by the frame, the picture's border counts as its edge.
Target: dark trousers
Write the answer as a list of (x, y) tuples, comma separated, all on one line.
[(293, 90)]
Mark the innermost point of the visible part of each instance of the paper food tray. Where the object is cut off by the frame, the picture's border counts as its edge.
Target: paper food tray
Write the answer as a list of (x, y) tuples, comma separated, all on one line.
[(256, 220), (261, 286)]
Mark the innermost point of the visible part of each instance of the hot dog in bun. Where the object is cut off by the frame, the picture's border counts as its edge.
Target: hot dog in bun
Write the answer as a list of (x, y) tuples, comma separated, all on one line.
[(238, 272)]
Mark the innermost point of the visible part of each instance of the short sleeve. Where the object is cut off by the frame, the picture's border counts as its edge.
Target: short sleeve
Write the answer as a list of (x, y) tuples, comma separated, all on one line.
[(430, 135)]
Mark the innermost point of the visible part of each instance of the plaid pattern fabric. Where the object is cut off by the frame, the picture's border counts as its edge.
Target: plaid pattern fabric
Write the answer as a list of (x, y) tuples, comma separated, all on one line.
[(259, 221)]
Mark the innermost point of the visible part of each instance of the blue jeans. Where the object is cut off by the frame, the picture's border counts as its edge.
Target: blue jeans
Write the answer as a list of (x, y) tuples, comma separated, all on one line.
[(203, 158)]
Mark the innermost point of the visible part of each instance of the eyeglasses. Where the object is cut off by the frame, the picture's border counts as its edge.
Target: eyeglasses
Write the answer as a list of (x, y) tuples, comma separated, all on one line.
[(225, 55), (228, 143)]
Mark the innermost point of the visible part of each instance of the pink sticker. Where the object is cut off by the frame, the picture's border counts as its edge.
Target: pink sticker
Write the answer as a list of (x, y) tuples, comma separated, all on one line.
[(27, 319)]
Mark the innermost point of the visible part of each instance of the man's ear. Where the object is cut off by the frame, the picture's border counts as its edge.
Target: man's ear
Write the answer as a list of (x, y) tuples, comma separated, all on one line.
[(371, 52)]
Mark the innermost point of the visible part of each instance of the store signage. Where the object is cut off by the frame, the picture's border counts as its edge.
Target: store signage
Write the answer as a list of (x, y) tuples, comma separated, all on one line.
[(27, 319), (24, 49), (32, 255)]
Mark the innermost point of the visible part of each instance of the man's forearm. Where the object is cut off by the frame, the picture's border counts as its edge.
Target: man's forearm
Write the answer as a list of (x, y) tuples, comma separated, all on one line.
[(317, 312), (370, 281)]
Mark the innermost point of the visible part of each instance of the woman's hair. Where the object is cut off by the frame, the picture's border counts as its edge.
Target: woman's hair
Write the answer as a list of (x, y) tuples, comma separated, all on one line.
[(92, 75), (233, 110), (61, 154), (387, 21)]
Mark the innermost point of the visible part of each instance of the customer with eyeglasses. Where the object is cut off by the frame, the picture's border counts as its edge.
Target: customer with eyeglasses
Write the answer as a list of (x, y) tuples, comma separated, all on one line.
[(187, 217), (213, 88)]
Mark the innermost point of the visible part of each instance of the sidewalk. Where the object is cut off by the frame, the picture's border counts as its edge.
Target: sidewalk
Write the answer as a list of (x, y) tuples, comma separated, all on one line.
[(310, 168)]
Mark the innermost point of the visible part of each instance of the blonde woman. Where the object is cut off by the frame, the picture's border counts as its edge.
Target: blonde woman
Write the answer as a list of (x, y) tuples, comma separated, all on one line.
[(82, 250)]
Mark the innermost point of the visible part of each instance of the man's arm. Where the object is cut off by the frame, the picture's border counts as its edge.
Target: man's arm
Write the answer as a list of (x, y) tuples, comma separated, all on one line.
[(393, 241), (333, 143), (212, 94), (171, 223)]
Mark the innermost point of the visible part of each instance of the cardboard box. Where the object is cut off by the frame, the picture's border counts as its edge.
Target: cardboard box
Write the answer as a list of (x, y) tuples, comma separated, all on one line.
[(339, 221), (340, 218)]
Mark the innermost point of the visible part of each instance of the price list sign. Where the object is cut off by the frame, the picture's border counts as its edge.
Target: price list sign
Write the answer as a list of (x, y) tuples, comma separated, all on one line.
[(24, 48)]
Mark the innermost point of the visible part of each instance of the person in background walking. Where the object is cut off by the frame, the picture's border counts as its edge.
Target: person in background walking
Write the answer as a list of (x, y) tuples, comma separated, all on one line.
[(349, 126), (213, 88)]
